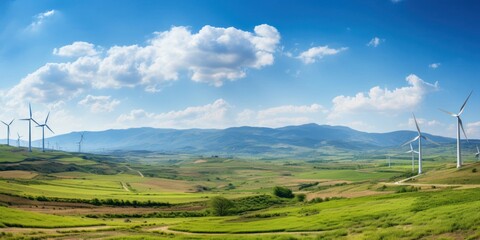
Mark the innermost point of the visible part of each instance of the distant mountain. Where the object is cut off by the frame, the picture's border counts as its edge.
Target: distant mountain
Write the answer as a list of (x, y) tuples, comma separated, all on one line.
[(289, 141)]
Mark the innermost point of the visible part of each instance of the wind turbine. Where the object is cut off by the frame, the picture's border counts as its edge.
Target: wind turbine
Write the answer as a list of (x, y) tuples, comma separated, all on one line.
[(18, 139), (419, 138), (8, 131), (80, 143), (478, 153), (43, 131), (30, 119), (459, 125), (413, 156)]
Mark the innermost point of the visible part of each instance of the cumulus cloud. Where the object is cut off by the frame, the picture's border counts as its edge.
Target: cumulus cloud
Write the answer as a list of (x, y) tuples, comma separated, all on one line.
[(281, 115), (99, 103), (384, 100), (434, 65), (213, 55), (375, 42), (473, 129), (315, 53), (211, 115), (76, 49), (423, 121), (40, 19)]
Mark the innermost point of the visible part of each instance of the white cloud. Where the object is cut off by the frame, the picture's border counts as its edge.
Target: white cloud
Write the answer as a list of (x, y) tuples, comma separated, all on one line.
[(315, 53), (40, 19), (434, 65), (213, 115), (76, 49), (375, 42), (423, 121), (99, 103), (384, 100), (281, 115), (473, 129), (213, 56)]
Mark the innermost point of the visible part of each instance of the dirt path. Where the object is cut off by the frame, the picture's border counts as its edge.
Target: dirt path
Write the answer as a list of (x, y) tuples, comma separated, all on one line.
[(405, 182), (139, 173), (124, 185), (167, 230)]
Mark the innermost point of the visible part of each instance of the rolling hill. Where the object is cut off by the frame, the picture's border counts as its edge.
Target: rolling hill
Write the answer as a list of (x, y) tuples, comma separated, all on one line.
[(287, 141)]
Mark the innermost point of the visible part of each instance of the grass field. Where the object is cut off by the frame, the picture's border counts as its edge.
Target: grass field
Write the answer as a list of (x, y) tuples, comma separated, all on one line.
[(345, 198)]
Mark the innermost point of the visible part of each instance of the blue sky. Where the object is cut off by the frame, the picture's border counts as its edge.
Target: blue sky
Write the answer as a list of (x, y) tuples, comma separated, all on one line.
[(214, 64)]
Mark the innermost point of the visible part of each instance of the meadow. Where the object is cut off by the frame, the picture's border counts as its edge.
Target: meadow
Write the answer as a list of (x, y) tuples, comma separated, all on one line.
[(151, 196)]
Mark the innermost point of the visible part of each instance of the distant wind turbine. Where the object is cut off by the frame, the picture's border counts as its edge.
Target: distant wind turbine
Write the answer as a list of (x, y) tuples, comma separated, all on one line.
[(413, 156), (80, 143), (459, 125), (18, 139), (478, 153), (419, 138), (30, 119), (43, 131), (8, 131)]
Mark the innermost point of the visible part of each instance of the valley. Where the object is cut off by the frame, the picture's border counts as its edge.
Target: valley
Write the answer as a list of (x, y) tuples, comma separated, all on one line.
[(149, 196)]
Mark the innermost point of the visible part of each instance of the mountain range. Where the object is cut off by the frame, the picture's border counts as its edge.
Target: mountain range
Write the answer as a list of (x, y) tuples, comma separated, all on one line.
[(290, 140)]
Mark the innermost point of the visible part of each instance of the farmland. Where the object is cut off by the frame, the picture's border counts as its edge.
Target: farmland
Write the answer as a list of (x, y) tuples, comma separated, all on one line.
[(149, 195)]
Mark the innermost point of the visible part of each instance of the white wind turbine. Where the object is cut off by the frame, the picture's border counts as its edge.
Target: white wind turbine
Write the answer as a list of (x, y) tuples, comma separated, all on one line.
[(80, 143), (18, 139), (8, 131), (459, 125), (413, 156), (419, 138), (477, 154), (30, 119), (43, 131)]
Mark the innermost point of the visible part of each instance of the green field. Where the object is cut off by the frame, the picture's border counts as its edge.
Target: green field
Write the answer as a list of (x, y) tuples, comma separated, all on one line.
[(135, 196)]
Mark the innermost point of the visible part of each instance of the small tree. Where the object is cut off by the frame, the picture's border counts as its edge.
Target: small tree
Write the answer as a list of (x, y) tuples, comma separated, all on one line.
[(283, 192), (221, 206), (301, 197)]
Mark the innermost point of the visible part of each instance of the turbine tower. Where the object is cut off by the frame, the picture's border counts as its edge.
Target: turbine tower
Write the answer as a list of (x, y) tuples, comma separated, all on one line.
[(419, 138), (459, 125), (8, 131), (30, 119), (80, 143), (413, 156), (43, 131)]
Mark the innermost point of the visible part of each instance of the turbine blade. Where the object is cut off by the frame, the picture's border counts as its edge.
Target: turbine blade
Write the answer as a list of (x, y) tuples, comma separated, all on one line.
[(476, 154), (416, 124), (34, 121), (461, 126), (430, 140), (30, 107), (478, 151), (413, 140), (4, 123), (447, 112), (25, 119), (49, 128), (463, 106), (11, 122), (46, 120), (411, 147)]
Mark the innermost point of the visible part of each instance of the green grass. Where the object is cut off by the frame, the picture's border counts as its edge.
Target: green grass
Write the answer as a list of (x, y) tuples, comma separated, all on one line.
[(18, 218), (348, 175)]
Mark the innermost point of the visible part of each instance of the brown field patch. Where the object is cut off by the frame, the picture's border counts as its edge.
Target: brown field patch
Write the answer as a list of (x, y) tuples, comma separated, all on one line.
[(200, 161), (352, 194), (18, 174)]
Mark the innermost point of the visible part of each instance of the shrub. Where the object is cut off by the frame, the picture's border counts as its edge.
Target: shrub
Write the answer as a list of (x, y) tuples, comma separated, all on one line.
[(283, 192), (474, 170), (221, 206), (301, 197)]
